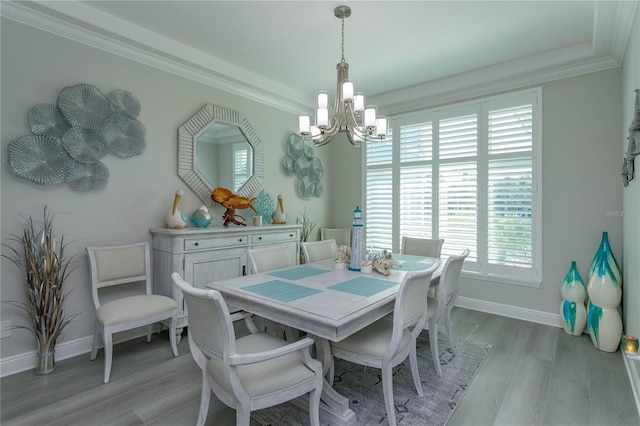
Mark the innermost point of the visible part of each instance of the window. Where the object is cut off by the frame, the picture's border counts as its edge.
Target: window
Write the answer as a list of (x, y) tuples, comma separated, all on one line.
[(242, 162), (468, 173)]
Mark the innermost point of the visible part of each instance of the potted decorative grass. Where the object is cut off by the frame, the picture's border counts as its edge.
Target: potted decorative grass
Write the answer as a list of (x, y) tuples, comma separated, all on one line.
[(40, 257), (307, 228)]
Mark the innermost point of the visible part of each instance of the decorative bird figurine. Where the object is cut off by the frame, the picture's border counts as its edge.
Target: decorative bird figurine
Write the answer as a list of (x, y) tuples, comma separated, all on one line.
[(175, 219), (279, 216)]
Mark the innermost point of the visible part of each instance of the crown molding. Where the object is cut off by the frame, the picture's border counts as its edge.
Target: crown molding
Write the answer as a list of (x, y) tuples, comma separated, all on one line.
[(82, 23)]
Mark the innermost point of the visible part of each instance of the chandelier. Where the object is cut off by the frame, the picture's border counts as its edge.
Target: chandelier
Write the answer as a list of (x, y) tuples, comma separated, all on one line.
[(349, 114)]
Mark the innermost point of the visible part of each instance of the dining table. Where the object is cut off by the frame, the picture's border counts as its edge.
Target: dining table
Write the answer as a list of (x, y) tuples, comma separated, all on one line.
[(327, 302)]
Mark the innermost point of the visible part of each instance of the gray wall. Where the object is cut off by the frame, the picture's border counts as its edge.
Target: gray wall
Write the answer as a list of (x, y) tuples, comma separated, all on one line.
[(35, 67), (631, 194)]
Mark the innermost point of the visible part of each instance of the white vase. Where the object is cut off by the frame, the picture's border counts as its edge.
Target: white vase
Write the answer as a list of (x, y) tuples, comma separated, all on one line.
[(605, 293), (605, 327)]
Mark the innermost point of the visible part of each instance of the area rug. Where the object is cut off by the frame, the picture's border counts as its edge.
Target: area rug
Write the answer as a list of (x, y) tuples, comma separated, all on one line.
[(363, 388)]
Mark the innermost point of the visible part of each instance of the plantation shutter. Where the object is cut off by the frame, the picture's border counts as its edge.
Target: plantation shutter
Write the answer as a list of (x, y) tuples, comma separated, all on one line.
[(458, 185), (241, 165), (416, 180), (510, 187), (379, 194)]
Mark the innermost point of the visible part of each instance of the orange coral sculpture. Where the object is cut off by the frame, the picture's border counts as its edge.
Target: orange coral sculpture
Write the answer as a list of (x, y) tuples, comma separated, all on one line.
[(228, 199)]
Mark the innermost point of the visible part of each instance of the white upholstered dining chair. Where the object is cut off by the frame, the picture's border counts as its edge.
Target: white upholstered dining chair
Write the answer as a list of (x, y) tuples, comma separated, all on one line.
[(390, 340), (342, 236), (319, 250), (250, 373), (265, 259), (439, 306), (270, 258), (422, 246), (115, 266)]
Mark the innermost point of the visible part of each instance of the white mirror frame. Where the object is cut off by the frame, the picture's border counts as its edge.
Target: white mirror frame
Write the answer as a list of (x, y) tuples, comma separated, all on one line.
[(187, 136)]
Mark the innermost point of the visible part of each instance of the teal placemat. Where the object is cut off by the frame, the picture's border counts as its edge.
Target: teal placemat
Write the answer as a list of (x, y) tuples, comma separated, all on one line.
[(280, 290), (298, 273), (414, 266), (363, 286)]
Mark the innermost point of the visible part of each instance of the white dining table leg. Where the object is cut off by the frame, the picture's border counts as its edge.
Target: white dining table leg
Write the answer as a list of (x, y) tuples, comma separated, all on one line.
[(334, 408)]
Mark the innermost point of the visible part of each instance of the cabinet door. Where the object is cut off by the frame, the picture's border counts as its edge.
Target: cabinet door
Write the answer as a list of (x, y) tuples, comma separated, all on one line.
[(204, 267)]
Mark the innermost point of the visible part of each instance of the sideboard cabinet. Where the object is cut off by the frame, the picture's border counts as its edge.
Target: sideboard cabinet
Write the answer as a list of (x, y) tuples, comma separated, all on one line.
[(203, 255)]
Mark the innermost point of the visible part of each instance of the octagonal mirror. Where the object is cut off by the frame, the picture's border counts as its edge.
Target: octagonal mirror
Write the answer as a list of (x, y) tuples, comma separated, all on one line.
[(218, 147)]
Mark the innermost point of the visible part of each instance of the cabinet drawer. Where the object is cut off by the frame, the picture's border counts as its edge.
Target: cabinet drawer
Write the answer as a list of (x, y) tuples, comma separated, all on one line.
[(274, 237), (217, 242)]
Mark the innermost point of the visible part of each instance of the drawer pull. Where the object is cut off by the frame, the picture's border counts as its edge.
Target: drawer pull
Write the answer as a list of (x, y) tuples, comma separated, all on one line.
[(196, 244), (259, 238)]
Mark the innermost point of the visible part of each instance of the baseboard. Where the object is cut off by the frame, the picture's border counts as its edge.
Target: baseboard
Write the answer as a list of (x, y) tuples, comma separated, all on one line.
[(27, 361), (516, 312), (634, 379)]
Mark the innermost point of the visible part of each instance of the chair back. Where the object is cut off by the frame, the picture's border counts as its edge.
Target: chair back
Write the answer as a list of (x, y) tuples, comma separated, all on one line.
[(210, 325), (410, 306), (342, 236), (448, 285), (270, 258), (319, 250), (116, 265), (422, 246)]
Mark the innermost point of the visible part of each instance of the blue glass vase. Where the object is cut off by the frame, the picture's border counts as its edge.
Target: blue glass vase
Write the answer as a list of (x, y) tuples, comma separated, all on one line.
[(572, 311)]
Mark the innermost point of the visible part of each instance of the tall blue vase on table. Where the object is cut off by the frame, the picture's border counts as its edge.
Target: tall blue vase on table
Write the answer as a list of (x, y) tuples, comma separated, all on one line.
[(357, 241), (604, 319), (572, 311)]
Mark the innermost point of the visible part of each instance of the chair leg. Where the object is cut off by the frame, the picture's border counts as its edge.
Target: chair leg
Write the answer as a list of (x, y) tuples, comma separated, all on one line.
[(94, 350), (205, 397), (433, 342), (314, 407), (172, 335), (108, 354), (447, 324), (413, 360), (243, 416), (387, 389)]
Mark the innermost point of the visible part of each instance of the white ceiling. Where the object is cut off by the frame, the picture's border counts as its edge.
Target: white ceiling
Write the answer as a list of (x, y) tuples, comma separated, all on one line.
[(282, 52)]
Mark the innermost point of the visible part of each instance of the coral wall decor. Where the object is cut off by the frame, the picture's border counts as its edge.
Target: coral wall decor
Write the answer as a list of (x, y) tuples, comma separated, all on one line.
[(70, 137)]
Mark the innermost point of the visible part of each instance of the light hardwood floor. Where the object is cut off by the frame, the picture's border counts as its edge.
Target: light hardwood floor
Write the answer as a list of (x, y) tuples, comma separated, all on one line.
[(534, 375)]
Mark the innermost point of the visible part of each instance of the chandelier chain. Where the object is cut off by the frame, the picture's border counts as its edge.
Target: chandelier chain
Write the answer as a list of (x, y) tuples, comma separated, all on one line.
[(342, 46)]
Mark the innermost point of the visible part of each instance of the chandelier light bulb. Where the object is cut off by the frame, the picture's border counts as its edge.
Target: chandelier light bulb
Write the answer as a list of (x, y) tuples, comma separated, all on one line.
[(304, 124), (347, 90), (323, 99), (381, 126), (370, 117), (322, 118), (358, 103)]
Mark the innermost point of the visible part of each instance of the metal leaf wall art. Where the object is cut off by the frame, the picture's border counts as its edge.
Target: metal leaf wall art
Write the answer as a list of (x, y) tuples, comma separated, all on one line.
[(302, 163), (70, 137)]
